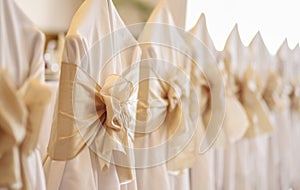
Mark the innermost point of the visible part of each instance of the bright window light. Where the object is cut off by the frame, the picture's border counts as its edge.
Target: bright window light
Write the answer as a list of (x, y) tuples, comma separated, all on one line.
[(275, 19)]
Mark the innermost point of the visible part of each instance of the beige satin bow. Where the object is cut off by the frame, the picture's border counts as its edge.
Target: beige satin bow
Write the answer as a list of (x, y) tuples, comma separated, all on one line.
[(255, 106), (167, 111), (21, 113), (181, 115), (102, 118), (235, 122)]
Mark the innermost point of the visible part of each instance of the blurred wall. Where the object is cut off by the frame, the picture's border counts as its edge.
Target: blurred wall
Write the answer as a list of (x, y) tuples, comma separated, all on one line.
[(54, 16)]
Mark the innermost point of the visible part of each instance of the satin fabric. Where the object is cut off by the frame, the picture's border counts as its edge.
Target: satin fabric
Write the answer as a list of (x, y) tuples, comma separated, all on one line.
[(20, 127), (162, 100), (47, 121), (258, 93), (236, 156), (162, 60), (18, 33), (277, 102), (204, 171), (97, 117), (238, 171), (295, 103), (263, 157), (21, 58), (94, 20), (234, 127), (283, 118)]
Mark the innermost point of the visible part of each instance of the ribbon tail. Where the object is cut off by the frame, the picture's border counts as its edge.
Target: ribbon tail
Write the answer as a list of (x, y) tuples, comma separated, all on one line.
[(13, 116), (36, 97), (125, 173), (10, 172), (236, 121), (111, 149)]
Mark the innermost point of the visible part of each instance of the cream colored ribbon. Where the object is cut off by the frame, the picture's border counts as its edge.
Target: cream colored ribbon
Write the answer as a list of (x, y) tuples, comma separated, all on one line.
[(246, 112), (182, 112), (104, 118), (254, 104), (21, 113), (101, 117), (167, 114), (236, 121)]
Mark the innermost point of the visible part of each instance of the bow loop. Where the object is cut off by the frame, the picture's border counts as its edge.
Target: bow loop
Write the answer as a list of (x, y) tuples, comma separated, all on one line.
[(235, 123)]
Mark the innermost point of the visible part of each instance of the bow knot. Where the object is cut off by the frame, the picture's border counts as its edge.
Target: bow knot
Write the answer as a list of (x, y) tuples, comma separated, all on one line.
[(233, 128), (123, 117), (117, 93)]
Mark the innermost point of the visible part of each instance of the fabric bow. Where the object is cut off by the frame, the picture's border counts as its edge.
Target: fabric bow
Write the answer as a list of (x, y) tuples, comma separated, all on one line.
[(102, 118), (21, 113), (182, 118), (255, 106), (234, 126), (167, 112)]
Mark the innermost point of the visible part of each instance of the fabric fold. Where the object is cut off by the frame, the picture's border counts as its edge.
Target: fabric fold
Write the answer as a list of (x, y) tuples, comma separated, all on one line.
[(20, 120), (102, 118), (251, 96)]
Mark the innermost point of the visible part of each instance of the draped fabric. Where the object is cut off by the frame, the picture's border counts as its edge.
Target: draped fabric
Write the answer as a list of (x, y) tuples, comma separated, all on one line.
[(94, 20), (204, 169), (21, 45), (84, 116), (295, 116), (262, 87), (23, 99), (261, 61), (122, 99), (92, 113), (94, 131), (174, 173), (283, 118), (136, 106), (20, 126)]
